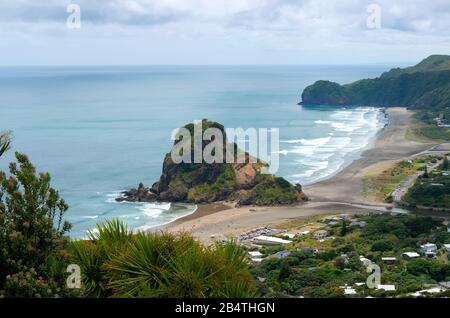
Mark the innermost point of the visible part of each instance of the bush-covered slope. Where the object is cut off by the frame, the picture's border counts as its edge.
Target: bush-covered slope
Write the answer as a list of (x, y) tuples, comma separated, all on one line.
[(425, 85)]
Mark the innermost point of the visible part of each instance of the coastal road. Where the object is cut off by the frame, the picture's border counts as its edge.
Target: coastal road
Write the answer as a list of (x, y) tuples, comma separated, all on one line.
[(408, 182)]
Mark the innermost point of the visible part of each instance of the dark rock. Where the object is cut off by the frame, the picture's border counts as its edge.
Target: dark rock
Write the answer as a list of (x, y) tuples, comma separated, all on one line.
[(141, 194)]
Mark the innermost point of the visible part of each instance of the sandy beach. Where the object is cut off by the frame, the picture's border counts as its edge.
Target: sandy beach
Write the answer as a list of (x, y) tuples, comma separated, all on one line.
[(342, 193)]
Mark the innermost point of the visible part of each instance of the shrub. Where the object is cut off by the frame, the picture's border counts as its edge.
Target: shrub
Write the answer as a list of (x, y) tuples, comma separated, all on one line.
[(33, 248), (116, 263)]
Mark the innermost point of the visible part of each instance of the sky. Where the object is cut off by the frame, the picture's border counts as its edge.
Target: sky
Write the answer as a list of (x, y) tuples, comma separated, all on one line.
[(222, 32)]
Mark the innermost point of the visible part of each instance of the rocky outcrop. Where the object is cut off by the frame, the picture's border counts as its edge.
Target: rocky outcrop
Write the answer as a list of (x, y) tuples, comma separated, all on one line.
[(243, 183), (141, 194)]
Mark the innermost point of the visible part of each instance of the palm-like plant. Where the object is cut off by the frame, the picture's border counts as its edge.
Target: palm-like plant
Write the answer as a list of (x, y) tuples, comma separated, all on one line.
[(5, 142), (159, 265)]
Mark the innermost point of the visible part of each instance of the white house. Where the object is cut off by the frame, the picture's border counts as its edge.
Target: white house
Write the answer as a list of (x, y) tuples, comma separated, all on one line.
[(255, 256), (386, 287), (269, 240), (447, 247), (410, 255), (432, 290), (429, 249)]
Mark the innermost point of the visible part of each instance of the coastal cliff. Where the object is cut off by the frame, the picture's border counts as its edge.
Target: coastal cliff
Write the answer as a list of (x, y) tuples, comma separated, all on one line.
[(425, 85), (243, 183)]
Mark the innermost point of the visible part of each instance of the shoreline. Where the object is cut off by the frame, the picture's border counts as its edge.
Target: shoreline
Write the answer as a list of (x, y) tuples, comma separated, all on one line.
[(351, 157), (340, 193)]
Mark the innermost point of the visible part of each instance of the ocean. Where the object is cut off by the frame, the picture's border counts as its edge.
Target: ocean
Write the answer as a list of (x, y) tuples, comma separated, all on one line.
[(100, 130)]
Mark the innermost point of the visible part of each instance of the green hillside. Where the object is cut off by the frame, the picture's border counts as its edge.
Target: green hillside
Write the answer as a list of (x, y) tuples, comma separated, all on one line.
[(424, 86)]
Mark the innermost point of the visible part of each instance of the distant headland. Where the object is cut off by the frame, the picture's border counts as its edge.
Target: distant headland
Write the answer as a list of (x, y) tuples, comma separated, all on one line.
[(425, 85)]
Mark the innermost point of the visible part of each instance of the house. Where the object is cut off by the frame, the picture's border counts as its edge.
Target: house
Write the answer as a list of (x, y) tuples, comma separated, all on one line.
[(389, 260), (429, 250), (410, 255), (360, 224), (386, 287), (349, 291), (447, 247), (321, 234), (445, 285), (283, 254), (433, 290), (333, 220), (269, 240), (255, 256)]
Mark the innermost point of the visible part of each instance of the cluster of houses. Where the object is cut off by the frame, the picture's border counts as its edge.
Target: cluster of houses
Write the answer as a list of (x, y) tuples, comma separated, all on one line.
[(260, 231), (336, 220), (441, 122)]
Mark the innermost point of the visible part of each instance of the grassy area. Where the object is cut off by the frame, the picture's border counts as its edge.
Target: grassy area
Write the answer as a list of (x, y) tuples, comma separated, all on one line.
[(425, 127), (433, 132), (380, 186)]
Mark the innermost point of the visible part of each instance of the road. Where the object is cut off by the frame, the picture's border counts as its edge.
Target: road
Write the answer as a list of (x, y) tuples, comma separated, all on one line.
[(408, 182)]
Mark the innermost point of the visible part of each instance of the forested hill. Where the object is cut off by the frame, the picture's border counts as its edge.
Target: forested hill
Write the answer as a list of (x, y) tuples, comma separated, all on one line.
[(425, 85)]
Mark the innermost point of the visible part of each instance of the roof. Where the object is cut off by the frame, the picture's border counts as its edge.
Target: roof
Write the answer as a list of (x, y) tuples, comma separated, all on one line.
[(272, 239), (349, 291), (427, 291), (411, 254), (389, 258), (386, 287), (255, 254), (445, 284), (257, 260), (428, 245)]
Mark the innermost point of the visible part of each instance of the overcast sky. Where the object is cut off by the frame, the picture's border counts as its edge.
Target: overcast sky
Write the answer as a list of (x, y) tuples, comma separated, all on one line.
[(222, 32)]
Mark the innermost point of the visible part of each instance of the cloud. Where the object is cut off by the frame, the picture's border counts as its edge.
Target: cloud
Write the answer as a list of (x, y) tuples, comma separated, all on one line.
[(268, 26)]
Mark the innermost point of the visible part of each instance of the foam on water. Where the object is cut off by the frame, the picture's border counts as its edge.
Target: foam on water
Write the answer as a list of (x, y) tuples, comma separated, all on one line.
[(352, 131)]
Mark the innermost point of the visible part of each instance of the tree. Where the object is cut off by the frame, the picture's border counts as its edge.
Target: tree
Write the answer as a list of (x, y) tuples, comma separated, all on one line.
[(343, 228), (5, 142), (425, 173), (382, 245), (285, 271), (445, 164), (33, 250)]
